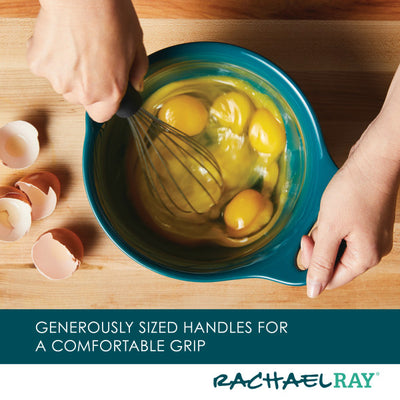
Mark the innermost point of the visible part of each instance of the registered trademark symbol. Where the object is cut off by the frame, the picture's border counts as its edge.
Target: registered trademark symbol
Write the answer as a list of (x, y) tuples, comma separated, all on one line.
[(377, 374)]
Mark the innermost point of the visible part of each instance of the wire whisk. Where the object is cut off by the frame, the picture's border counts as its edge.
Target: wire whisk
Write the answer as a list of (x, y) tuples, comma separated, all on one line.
[(181, 174)]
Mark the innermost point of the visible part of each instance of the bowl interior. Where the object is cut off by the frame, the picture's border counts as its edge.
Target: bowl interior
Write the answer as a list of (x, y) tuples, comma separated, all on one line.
[(120, 219)]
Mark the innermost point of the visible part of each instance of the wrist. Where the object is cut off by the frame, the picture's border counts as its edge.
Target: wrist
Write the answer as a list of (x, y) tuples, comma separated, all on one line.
[(383, 137), (378, 154), (386, 126)]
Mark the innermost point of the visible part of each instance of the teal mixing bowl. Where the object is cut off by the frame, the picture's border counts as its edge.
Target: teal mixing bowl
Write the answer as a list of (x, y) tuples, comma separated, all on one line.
[(309, 169)]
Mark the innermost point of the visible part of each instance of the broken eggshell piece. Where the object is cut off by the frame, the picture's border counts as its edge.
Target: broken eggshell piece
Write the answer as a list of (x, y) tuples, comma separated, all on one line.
[(57, 253), (19, 144), (43, 190), (15, 214)]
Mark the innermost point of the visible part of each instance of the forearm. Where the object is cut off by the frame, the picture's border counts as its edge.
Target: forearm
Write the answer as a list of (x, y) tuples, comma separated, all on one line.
[(388, 122), (380, 143), (79, 4), (358, 205)]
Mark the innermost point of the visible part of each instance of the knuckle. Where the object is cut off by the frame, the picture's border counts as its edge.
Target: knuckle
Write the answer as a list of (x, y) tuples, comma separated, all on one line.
[(356, 268), (321, 265), (387, 248), (100, 111), (362, 263), (86, 98), (371, 254), (387, 242), (102, 106), (326, 226), (112, 97), (369, 260), (117, 93), (33, 64), (59, 85)]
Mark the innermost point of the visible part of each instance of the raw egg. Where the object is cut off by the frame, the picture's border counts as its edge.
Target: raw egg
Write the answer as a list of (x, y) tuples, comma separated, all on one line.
[(235, 158), (43, 191), (233, 110), (245, 133), (185, 113), (15, 214), (57, 253), (247, 212), (266, 133), (19, 144), (270, 174)]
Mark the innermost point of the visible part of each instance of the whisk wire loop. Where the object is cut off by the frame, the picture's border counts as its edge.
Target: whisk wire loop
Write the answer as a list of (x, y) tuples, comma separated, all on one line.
[(189, 155), (150, 169), (145, 162), (180, 173), (159, 156)]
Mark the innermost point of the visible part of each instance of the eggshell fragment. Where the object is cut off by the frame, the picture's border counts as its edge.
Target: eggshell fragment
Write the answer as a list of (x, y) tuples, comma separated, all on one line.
[(57, 253), (43, 190), (15, 214), (19, 144)]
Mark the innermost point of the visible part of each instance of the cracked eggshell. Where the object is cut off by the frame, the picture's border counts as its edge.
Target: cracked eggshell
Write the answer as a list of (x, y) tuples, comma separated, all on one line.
[(57, 253), (15, 214), (19, 144), (43, 190)]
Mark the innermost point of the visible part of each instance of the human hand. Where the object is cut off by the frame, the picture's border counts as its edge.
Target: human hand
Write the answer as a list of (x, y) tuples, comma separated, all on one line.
[(358, 206), (89, 50)]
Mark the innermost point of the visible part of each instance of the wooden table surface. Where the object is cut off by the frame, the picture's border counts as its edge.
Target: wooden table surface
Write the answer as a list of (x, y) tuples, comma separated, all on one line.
[(342, 54)]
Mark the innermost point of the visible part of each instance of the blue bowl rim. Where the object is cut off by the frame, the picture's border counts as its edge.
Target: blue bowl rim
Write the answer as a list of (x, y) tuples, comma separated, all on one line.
[(321, 176)]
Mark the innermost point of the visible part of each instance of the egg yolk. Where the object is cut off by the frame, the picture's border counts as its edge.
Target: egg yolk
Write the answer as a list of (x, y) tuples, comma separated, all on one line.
[(232, 110), (266, 133), (185, 113), (235, 158), (245, 132), (247, 212), (270, 174)]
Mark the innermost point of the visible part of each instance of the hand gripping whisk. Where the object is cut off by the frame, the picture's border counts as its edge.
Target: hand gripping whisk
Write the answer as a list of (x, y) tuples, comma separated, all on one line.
[(182, 175)]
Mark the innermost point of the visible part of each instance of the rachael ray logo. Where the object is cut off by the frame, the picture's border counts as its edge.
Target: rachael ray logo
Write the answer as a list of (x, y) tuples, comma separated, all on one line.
[(276, 381)]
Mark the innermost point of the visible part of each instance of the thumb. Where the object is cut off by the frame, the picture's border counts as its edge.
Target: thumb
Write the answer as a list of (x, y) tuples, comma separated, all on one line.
[(139, 68), (323, 260)]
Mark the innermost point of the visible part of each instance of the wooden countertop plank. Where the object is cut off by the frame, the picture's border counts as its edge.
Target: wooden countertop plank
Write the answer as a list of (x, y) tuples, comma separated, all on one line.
[(296, 46), (346, 87), (233, 9)]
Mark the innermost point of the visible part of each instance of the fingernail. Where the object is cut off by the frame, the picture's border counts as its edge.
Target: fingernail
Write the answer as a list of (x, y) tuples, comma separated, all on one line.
[(299, 260), (139, 86), (313, 289)]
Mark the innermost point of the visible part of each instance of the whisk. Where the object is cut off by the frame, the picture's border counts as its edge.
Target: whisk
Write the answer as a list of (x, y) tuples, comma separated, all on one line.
[(181, 174)]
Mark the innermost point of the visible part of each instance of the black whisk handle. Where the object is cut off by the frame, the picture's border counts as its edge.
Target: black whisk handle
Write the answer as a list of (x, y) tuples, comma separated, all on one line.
[(130, 103)]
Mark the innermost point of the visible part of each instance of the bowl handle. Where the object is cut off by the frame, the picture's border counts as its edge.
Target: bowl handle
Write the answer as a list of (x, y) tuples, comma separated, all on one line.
[(281, 266)]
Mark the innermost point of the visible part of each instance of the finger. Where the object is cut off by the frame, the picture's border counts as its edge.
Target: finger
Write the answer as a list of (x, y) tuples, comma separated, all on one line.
[(71, 97), (343, 274), (32, 58), (305, 253), (139, 68), (100, 107), (101, 111), (322, 261), (349, 267), (29, 42), (314, 231), (306, 248)]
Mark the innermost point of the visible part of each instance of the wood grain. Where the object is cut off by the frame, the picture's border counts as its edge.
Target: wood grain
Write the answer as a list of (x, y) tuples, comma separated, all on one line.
[(345, 80), (234, 9)]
